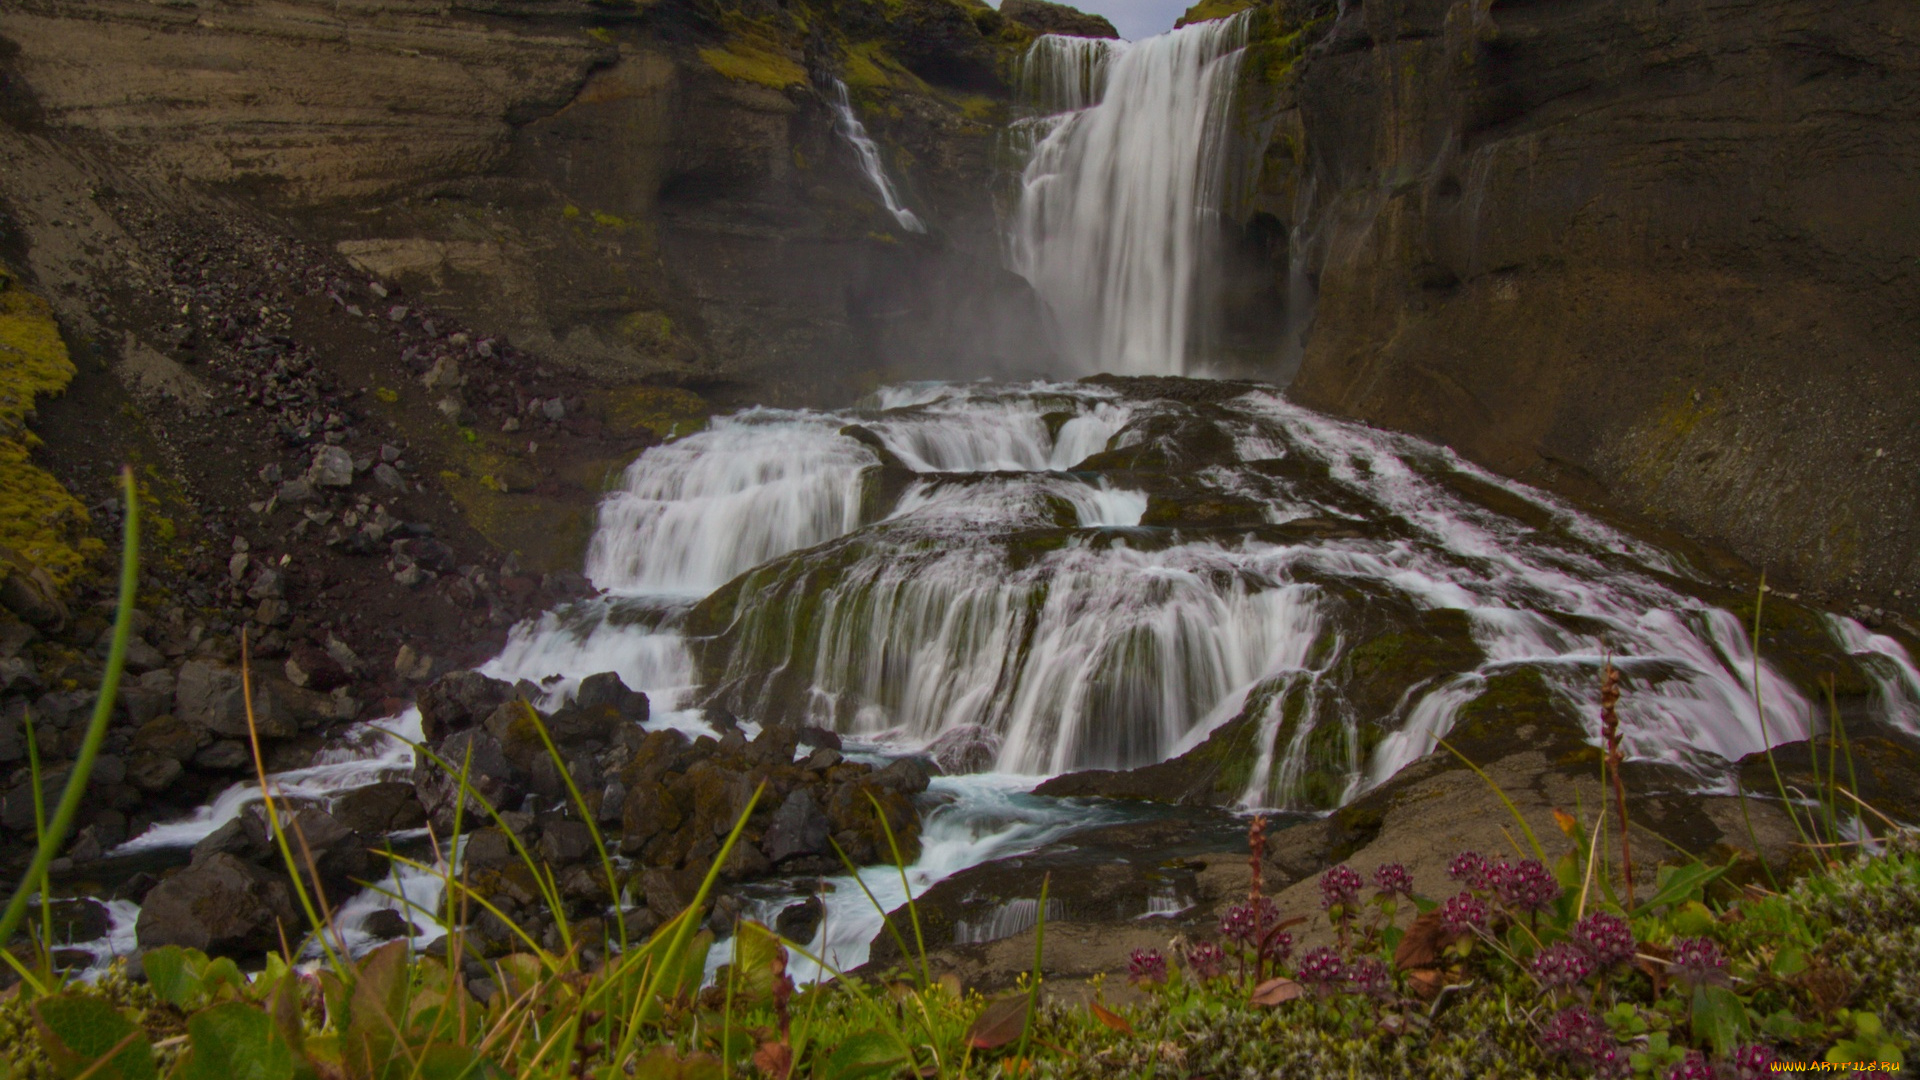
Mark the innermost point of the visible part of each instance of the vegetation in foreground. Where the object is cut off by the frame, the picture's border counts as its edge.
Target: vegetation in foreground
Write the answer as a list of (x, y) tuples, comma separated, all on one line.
[(1528, 970)]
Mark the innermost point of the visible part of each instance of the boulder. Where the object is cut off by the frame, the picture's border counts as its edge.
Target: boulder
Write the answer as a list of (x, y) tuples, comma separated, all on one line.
[(220, 905), (332, 467), (489, 775), (799, 922), (459, 700), (564, 842), (1050, 18), (379, 808), (153, 773), (908, 776), (385, 924), (970, 748), (309, 667), (207, 695), (27, 590), (170, 737), (647, 813), (799, 827), (602, 706)]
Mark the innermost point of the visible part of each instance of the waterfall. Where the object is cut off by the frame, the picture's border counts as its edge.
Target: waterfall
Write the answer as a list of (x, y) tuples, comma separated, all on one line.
[(1117, 197), (869, 154)]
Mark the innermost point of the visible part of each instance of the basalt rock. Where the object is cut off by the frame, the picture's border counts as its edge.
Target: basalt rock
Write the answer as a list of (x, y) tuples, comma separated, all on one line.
[(223, 905), (459, 700)]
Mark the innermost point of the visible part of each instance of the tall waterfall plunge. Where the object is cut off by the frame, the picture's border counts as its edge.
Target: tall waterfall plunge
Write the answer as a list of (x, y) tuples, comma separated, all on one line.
[(1117, 197)]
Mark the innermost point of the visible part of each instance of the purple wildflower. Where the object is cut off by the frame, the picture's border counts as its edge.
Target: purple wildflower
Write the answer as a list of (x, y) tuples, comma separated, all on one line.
[(1392, 880), (1278, 946), (1370, 977), (1146, 966), (1463, 914), (1606, 937), (1583, 1038), (1469, 868), (1561, 965), (1321, 968), (1244, 923), (1206, 959), (1695, 1067), (1340, 886), (1528, 886), (1697, 961), (1753, 1061)]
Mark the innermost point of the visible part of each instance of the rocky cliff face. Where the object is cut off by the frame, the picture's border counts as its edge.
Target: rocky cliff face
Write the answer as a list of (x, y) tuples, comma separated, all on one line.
[(1662, 255), (652, 192)]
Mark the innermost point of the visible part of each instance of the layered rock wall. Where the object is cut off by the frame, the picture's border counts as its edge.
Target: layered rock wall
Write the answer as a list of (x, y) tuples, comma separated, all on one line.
[(1657, 254), (653, 193)]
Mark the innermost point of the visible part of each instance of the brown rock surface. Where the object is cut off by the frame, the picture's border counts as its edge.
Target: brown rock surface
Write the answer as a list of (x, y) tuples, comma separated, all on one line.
[(1659, 256)]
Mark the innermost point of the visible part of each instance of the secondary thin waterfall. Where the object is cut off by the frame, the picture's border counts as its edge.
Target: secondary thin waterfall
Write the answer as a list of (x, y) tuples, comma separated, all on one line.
[(1117, 197), (869, 154)]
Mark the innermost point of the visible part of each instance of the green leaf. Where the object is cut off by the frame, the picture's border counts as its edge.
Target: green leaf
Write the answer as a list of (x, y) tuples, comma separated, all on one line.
[(78, 1031), (223, 974), (756, 953), (1788, 962), (1691, 919), (235, 1041), (1719, 1018), (868, 1053), (174, 974), (1678, 883)]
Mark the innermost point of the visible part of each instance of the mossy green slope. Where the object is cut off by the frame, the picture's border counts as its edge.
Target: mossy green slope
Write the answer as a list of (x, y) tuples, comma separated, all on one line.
[(39, 518)]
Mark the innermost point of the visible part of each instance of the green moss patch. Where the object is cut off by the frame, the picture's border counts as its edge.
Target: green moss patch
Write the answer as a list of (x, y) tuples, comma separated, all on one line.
[(39, 518)]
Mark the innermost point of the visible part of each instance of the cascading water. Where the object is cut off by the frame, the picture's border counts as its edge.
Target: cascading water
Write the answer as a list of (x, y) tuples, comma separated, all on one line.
[(1120, 188), (869, 154), (1078, 575), (1022, 580)]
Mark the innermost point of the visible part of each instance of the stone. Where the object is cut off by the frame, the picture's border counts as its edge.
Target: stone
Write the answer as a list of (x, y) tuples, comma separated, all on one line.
[(385, 924), (564, 842), (459, 700), (647, 812), (389, 477), (411, 665), (208, 695), (799, 827), (798, 922), (75, 919), (222, 905), (296, 490), (170, 737), (970, 748), (332, 467), (443, 375), (153, 773), (226, 755), (906, 776), (489, 775), (598, 711), (310, 667), (27, 590), (379, 808)]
